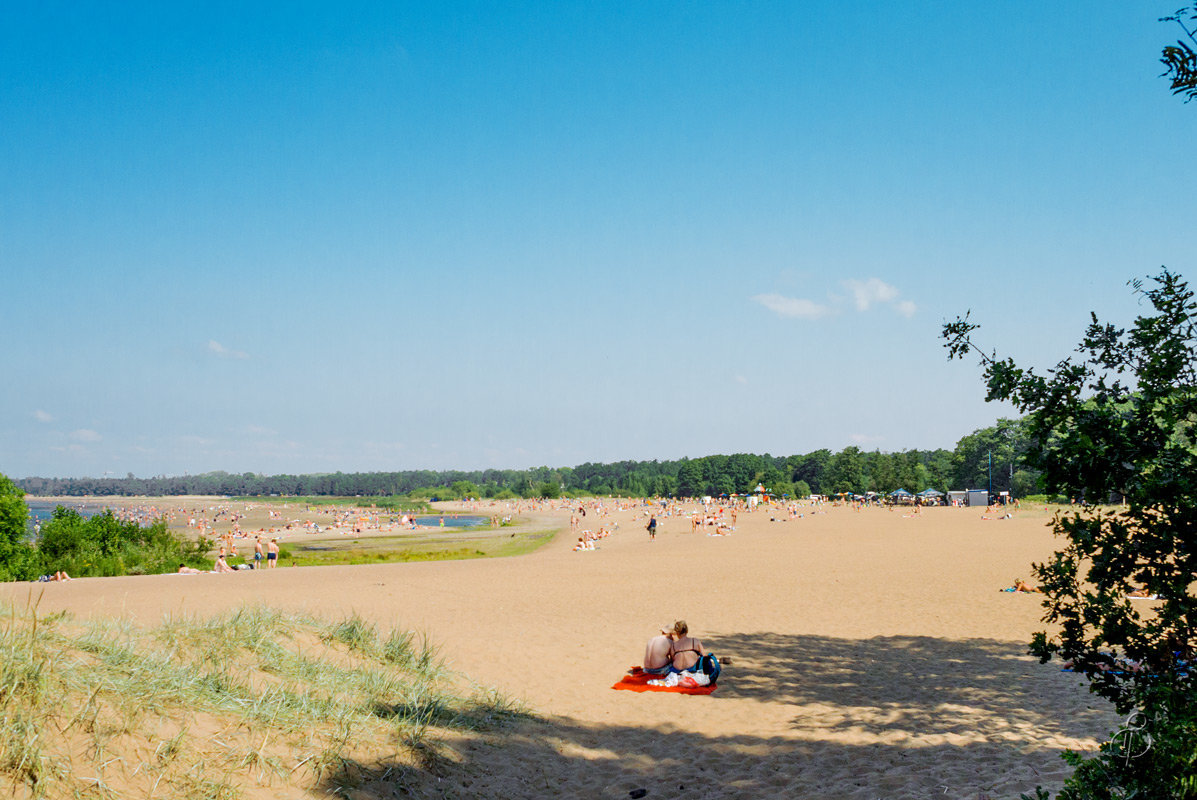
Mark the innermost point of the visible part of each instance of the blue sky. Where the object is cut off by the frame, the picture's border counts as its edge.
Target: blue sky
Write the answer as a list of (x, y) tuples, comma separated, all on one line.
[(303, 238)]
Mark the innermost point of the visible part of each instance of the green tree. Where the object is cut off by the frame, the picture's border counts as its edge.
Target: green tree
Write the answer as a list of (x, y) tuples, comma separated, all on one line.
[(991, 453), (1120, 420), (811, 468), (1180, 60), (846, 472), (464, 489), (689, 479), (16, 555)]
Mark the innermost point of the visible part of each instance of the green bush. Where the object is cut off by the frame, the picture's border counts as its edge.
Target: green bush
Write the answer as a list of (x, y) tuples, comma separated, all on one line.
[(17, 559), (105, 546)]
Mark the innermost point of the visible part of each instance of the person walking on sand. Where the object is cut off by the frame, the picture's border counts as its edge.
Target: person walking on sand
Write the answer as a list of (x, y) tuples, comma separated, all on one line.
[(272, 554), (652, 528)]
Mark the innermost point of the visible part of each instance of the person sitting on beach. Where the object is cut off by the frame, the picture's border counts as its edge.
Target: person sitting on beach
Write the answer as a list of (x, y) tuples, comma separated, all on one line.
[(657, 659), (685, 656), (222, 565), (685, 651)]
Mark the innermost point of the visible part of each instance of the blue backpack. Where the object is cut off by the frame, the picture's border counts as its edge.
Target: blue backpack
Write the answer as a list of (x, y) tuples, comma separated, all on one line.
[(709, 666)]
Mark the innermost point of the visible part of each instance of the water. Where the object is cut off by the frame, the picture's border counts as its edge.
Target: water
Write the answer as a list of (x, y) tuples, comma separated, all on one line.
[(460, 521), (42, 510)]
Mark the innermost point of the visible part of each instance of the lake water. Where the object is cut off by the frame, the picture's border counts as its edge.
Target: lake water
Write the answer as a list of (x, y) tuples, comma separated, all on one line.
[(42, 510), (460, 521)]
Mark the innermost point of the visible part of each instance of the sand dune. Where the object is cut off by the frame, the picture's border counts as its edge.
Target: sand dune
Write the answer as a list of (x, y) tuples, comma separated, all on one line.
[(871, 655)]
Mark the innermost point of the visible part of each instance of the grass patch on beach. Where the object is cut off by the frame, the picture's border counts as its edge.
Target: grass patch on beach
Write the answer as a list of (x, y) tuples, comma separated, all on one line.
[(211, 707), (436, 547), (444, 544)]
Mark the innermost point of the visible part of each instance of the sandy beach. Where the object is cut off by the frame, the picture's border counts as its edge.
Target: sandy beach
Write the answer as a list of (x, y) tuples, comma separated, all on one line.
[(868, 654)]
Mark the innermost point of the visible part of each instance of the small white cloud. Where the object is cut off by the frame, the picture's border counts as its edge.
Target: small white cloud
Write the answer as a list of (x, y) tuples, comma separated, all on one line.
[(221, 351), (866, 293), (741, 379), (85, 435), (42, 416), (874, 291), (792, 306), (258, 430)]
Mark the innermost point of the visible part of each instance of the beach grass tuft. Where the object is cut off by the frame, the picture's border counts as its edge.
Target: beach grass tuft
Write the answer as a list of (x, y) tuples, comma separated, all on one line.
[(209, 707)]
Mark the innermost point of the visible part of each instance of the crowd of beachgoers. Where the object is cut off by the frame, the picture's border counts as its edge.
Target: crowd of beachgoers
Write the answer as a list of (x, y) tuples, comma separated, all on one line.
[(252, 531), (716, 516)]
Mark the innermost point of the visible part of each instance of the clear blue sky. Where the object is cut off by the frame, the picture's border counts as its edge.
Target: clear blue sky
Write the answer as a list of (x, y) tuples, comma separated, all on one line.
[(301, 237)]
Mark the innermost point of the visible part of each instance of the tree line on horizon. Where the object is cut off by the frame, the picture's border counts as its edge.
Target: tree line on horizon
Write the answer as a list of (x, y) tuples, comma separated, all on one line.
[(996, 453)]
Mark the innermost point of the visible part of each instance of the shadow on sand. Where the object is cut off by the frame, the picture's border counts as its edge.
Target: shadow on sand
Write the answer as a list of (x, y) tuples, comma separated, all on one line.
[(887, 717)]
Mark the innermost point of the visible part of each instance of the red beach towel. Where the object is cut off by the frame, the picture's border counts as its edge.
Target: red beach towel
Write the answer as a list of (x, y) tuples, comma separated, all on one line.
[(639, 683)]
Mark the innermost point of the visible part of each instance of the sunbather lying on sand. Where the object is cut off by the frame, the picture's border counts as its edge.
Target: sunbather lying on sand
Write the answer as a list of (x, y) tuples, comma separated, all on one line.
[(1020, 586)]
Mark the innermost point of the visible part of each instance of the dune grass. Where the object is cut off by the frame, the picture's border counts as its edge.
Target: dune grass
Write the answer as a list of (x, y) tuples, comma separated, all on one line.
[(203, 708)]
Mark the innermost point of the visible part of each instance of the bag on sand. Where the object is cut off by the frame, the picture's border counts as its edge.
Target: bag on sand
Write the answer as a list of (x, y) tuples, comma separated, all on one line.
[(709, 666)]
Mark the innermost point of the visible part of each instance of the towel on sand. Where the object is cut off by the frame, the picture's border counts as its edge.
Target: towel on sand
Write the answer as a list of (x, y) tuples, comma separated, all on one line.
[(638, 682)]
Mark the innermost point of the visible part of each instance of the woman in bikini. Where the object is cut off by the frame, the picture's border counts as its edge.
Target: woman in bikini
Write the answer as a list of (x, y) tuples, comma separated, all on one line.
[(685, 650)]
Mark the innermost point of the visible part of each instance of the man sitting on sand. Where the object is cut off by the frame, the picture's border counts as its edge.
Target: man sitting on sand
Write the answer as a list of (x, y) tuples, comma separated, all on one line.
[(657, 659)]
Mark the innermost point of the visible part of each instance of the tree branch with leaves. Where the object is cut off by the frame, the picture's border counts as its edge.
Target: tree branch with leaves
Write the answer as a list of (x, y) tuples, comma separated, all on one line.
[(1180, 59), (1115, 427)]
